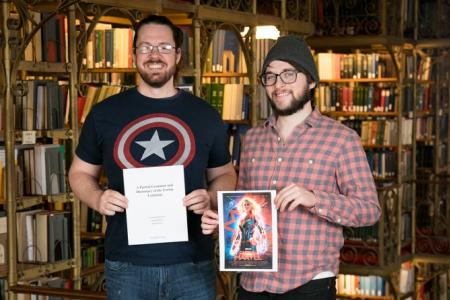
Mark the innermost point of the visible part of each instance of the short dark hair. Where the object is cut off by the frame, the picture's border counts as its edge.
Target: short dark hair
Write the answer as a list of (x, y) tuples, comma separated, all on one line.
[(160, 20)]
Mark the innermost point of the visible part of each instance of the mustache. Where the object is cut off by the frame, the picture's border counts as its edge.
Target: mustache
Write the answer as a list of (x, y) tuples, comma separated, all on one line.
[(158, 61), (276, 91)]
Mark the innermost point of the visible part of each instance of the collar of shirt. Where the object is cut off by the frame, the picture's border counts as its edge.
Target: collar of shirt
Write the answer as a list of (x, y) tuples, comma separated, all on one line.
[(313, 120)]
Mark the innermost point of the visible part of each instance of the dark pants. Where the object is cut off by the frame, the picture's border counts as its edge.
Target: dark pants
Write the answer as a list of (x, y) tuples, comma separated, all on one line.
[(320, 289)]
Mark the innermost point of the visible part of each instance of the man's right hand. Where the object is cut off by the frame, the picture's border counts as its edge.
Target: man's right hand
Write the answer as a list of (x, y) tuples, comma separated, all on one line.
[(111, 202), (210, 221)]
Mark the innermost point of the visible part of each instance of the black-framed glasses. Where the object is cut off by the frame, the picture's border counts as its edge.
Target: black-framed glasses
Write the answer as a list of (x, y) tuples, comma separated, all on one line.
[(164, 48), (288, 76)]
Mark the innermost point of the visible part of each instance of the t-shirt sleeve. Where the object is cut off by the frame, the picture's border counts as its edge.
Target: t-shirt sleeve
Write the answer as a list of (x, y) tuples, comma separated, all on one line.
[(88, 148), (219, 154)]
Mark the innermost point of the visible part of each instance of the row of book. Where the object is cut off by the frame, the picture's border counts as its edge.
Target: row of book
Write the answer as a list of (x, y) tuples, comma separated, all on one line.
[(109, 78), (425, 128), (229, 100), (41, 105), (332, 66), (40, 169), (382, 163), (93, 95), (109, 47), (407, 160), (112, 47), (44, 236), (91, 220), (92, 255), (426, 70), (355, 98), (358, 285), (381, 132), (235, 138), (50, 43)]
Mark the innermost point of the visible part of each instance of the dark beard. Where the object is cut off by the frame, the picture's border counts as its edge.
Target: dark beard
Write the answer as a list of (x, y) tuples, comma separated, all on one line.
[(157, 81), (295, 106)]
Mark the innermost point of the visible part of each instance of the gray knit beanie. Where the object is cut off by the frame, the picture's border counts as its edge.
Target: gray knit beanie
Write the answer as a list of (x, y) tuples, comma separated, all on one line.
[(294, 50)]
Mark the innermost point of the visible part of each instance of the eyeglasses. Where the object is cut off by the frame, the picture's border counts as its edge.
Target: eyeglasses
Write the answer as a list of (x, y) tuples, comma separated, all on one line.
[(288, 76), (161, 48)]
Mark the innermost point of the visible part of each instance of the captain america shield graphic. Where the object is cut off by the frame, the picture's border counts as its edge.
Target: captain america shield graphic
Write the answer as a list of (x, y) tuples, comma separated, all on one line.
[(154, 140)]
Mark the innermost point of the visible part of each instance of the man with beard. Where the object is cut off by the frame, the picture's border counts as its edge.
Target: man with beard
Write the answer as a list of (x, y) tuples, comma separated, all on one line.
[(320, 172), (155, 124)]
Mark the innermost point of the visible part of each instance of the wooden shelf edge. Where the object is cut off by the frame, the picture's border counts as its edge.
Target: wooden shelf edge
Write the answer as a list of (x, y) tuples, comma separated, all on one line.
[(67, 293), (91, 270), (359, 80), (31, 271)]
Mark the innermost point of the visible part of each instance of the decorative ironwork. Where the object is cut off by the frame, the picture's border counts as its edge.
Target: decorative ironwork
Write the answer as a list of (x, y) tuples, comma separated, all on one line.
[(349, 17), (375, 245), (297, 10), (271, 8), (433, 19), (239, 5), (433, 219), (89, 15), (209, 29), (21, 35)]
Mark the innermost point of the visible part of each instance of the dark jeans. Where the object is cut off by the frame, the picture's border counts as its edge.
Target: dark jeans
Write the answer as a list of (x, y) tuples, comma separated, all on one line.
[(186, 281), (320, 289)]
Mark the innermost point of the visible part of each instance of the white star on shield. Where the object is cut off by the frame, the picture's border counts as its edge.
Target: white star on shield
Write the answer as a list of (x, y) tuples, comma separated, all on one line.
[(154, 146)]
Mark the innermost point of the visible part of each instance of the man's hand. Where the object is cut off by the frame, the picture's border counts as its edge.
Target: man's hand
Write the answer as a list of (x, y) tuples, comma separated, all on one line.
[(294, 196), (210, 221), (198, 201), (111, 202)]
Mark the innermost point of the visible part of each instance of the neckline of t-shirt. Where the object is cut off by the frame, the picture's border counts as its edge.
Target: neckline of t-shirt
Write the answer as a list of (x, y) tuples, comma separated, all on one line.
[(165, 100)]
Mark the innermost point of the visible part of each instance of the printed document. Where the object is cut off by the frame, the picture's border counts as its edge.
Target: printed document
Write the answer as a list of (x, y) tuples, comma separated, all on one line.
[(155, 212)]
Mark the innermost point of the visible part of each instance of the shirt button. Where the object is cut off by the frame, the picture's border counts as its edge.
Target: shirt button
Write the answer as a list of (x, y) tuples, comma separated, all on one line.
[(280, 159), (310, 161), (320, 210), (274, 181), (253, 160), (338, 220), (279, 139)]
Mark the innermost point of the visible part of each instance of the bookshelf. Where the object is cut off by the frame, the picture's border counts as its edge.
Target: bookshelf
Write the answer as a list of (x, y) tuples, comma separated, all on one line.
[(39, 80), (414, 34), (363, 80), (432, 195)]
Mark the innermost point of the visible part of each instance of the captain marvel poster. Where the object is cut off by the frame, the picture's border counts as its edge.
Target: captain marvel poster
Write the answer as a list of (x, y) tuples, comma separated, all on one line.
[(248, 231)]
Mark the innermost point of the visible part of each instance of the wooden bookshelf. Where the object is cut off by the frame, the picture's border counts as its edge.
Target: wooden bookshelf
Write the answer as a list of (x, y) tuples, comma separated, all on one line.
[(360, 80)]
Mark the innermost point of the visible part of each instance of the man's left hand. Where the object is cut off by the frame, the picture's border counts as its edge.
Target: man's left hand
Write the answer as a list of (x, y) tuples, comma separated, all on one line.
[(294, 196), (198, 201)]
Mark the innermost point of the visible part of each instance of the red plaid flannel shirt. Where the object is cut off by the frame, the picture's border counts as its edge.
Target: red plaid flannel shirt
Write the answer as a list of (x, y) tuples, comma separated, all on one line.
[(327, 158)]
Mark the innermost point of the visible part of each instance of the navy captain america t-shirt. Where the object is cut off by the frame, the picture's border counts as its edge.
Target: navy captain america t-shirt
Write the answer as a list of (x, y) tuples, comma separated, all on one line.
[(129, 130)]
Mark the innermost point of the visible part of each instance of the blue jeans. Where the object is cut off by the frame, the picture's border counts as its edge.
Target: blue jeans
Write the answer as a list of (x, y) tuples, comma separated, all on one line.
[(185, 281)]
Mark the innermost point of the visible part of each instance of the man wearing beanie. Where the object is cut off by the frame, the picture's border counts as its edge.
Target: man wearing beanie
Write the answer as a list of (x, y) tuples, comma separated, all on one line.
[(320, 172)]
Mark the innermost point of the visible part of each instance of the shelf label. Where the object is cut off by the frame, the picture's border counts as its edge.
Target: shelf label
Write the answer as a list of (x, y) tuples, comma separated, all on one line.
[(28, 137)]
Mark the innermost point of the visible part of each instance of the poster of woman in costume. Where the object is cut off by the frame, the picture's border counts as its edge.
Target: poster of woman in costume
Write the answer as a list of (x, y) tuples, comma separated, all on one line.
[(247, 231)]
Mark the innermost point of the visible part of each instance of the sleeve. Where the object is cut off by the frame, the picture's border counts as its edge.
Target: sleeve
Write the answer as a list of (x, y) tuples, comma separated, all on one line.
[(88, 148), (357, 203), (218, 154)]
